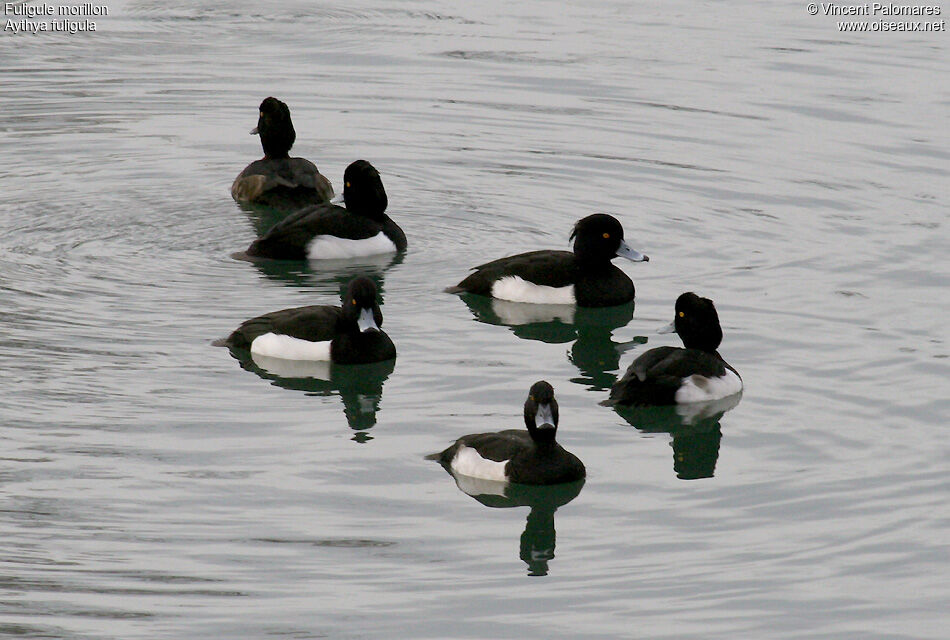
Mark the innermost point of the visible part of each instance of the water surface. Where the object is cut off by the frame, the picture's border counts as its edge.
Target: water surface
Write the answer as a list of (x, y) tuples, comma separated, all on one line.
[(153, 487)]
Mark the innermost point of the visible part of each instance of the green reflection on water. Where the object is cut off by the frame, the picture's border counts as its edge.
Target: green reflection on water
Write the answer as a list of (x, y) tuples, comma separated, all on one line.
[(538, 540), (695, 428), (359, 386)]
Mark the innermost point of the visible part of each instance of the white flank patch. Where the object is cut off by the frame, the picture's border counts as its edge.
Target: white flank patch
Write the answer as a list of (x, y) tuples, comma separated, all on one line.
[(327, 247), (697, 388), (697, 411), (276, 345), (468, 462), (517, 289), (518, 313), (480, 486), (319, 369)]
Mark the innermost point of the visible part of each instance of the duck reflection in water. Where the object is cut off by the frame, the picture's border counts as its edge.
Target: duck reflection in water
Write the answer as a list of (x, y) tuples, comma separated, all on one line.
[(323, 349), (302, 273), (263, 217), (359, 386), (539, 537), (695, 428), (517, 467), (594, 351)]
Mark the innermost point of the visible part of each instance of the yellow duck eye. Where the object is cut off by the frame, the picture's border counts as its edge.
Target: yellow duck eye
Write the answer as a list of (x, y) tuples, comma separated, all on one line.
[(682, 315), (347, 185), (353, 301), (606, 236)]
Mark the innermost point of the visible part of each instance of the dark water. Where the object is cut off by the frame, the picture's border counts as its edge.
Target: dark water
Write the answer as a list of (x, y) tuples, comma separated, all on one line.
[(152, 487)]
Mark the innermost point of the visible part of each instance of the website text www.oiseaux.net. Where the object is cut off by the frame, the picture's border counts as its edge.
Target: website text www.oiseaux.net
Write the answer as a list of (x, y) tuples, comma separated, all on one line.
[(885, 15)]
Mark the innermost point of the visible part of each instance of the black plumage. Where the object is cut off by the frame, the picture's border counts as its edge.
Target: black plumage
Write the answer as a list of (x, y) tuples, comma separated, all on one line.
[(544, 267), (319, 323), (275, 128), (597, 283), (277, 180), (656, 376), (534, 456), (364, 217)]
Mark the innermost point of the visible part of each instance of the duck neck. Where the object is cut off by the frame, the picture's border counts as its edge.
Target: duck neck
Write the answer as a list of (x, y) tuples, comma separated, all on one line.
[(370, 210), (353, 346), (543, 438), (593, 263), (702, 345), (275, 152), (545, 447)]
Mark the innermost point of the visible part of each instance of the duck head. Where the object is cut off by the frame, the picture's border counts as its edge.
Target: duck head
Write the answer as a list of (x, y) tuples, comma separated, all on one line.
[(540, 412), (599, 238), (697, 322), (363, 190), (275, 128)]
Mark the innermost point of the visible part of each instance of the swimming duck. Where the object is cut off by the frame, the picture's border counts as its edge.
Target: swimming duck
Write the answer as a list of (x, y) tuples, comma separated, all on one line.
[(277, 180), (349, 334), (328, 231), (584, 277), (673, 375), (513, 455)]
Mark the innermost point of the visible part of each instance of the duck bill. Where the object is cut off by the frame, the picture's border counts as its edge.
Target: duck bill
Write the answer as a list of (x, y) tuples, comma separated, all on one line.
[(670, 328), (366, 321), (544, 418), (254, 131), (628, 252)]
